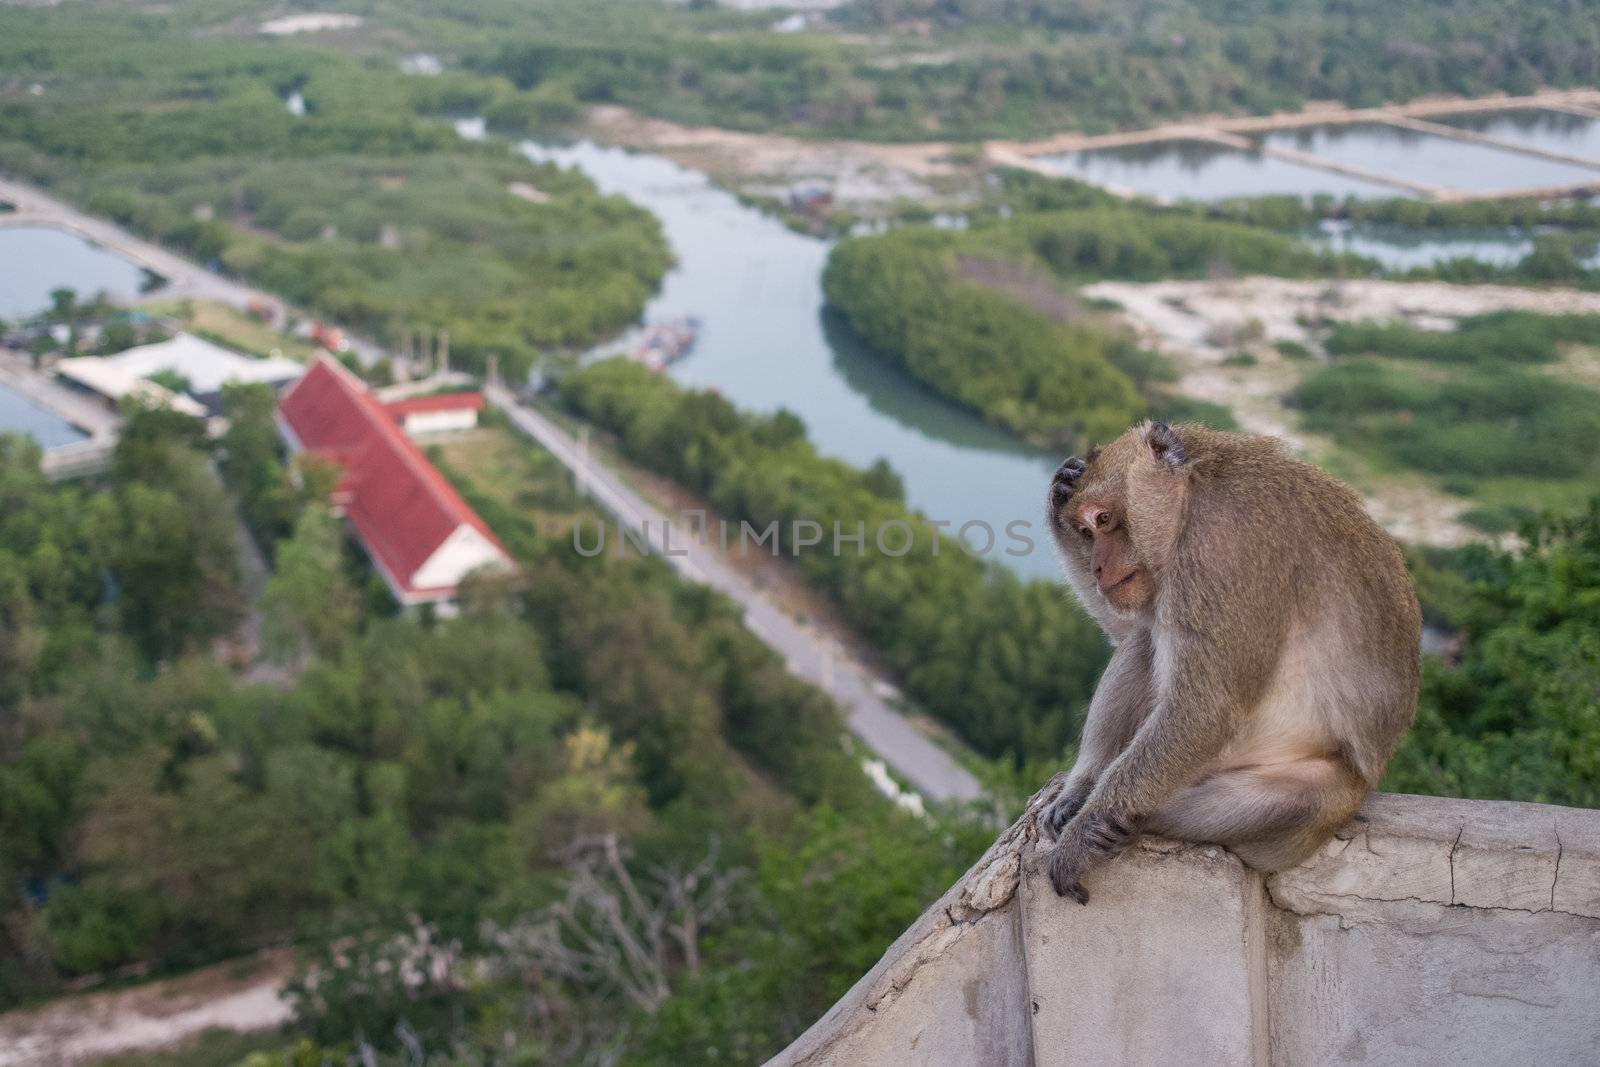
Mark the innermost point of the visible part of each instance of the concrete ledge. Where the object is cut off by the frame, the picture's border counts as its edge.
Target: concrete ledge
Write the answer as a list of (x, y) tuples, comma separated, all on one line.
[(1429, 931)]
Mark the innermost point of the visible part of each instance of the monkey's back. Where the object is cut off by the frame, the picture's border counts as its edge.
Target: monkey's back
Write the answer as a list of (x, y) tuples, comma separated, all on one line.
[(1350, 659)]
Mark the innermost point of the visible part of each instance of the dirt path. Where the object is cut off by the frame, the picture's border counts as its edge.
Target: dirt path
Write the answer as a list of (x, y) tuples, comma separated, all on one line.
[(1199, 324), (242, 995)]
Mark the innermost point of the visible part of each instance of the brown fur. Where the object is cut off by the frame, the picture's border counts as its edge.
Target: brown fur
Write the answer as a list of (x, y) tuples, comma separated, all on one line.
[(1266, 656)]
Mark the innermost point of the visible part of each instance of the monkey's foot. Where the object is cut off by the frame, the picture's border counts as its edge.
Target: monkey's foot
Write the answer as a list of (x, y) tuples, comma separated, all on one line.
[(1065, 483), (1086, 842)]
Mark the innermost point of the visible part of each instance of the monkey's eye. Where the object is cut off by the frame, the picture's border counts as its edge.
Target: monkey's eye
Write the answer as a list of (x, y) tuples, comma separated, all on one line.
[(1088, 534)]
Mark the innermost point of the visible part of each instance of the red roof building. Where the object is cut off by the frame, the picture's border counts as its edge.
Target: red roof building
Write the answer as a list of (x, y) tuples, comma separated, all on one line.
[(439, 413), (418, 532)]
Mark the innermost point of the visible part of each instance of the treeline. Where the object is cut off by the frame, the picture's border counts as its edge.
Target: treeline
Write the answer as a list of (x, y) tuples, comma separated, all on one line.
[(1096, 67), (1008, 664), (983, 316), (410, 788), (368, 208)]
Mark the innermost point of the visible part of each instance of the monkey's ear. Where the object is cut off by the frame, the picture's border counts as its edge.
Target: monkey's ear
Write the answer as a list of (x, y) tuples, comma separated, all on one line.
[(1165, 444)]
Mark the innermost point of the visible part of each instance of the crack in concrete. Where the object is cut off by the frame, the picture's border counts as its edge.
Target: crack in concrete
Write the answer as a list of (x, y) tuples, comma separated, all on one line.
[(1555, 828), (1330, 902), (1453, 846)]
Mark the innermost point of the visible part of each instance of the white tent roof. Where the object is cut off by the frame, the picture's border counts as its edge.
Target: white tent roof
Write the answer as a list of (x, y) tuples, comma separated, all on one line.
[(208, 367)]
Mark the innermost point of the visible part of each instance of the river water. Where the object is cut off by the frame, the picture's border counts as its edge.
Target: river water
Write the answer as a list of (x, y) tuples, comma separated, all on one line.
[(766, 343)]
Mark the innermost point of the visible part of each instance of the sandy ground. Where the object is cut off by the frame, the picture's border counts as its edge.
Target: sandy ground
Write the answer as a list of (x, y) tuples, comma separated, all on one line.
[(242, 995), (860, 174), (1198, 324)]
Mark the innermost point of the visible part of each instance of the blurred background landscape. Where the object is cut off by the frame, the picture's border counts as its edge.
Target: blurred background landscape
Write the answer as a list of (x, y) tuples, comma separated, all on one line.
[(322, 742)]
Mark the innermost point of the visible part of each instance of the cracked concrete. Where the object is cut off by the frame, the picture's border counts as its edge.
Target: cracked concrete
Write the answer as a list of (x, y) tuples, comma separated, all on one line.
[(1428, 931)]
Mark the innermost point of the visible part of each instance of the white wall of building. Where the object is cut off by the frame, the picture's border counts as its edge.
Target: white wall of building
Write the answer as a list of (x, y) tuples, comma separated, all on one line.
[(418, 423), (462, 552)]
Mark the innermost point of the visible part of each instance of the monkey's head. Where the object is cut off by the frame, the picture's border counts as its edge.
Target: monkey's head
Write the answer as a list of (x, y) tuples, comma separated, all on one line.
[(1117, 515)]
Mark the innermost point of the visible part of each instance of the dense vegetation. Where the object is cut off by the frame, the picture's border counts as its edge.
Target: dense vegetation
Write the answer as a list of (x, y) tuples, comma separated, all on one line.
[(983, 68), (1519, 715), (1477, 406), (368, 208), (959, 69), (1011, 65), (1010, 665), (414, 789), (1047, 381)]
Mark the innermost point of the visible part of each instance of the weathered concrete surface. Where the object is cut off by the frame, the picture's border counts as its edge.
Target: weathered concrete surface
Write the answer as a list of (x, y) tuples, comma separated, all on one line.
[(1428, 932), (1170, 929), (947, 991)]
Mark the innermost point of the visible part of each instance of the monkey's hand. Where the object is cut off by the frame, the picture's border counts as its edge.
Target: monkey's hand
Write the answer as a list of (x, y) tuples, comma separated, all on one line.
[(1088, 840), (1068, 802)]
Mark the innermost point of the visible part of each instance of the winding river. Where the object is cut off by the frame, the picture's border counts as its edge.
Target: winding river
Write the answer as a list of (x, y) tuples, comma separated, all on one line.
[(766, 343)]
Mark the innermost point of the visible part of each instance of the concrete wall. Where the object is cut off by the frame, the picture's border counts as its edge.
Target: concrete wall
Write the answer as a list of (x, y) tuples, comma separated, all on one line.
[(1428, 932)]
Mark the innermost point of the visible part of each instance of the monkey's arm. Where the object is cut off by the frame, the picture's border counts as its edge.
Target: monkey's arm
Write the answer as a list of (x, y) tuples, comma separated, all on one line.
[(1194, 718), (1212, 682), (1122, 701)]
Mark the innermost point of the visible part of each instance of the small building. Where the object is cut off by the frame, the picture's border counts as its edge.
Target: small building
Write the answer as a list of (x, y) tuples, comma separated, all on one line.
[(202, 367), (420, 535), (440, 413)]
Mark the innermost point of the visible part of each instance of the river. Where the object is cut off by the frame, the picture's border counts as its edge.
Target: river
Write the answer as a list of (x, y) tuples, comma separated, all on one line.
[(766, 343)]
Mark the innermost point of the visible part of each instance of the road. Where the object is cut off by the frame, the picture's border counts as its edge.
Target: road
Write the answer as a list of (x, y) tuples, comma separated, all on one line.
[(929, 768), (185, 278)]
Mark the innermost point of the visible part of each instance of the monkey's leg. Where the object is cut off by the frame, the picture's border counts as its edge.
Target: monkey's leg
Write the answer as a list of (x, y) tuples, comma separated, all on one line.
[(1123, 699), (1271, 816)]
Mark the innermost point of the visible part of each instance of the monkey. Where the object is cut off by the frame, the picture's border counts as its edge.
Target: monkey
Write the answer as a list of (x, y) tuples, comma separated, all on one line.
[(1266, 649)]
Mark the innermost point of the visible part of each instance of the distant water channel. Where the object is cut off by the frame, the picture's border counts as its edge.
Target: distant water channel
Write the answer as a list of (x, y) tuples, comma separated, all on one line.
[(765, 343), (37, 259)]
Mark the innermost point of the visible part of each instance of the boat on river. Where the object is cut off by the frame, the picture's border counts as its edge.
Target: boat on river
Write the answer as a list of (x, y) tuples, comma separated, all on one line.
[(662, 343)]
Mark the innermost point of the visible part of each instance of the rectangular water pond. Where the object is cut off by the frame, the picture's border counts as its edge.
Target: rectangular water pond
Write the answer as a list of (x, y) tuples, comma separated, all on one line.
[(35, 260), (1200, 170), (1553, 131), (18, 414), (1428, 160)]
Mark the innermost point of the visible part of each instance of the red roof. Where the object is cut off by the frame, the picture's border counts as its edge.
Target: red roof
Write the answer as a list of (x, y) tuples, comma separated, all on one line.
[(439, 402), (400, 505)]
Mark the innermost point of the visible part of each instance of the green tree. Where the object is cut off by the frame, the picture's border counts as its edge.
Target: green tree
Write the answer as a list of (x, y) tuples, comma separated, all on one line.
[(309, 606)]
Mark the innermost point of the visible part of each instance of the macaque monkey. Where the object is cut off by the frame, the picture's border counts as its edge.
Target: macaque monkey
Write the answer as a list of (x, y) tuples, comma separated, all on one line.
[(1266, 649)]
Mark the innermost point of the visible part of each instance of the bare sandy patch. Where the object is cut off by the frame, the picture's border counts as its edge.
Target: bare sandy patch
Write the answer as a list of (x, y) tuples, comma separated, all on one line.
[(1197, 324), (860, 174), (241, 995)]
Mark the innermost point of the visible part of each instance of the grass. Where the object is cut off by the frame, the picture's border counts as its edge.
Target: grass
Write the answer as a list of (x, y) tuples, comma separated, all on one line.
[(515, 474), (225, 325)]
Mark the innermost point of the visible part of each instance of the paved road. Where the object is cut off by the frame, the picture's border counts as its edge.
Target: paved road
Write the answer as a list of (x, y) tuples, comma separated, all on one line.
[(810, 655), (185, 278)]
